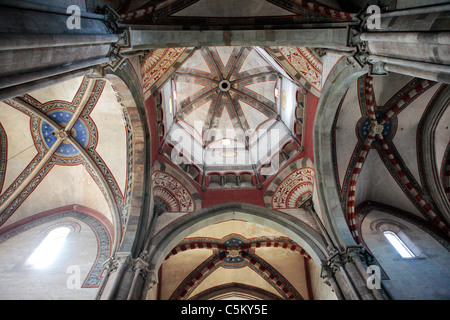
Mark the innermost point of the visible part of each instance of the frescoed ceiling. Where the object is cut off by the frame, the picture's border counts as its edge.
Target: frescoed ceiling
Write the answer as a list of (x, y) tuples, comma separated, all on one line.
[(379, 155), (246, 259), (226, 124), (67, 144), (228, 109)]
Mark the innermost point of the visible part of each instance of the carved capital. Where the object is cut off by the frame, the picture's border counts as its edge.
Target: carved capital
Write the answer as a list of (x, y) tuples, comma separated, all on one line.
[(367, 258), (351, 254), (111, 264), (335, 263), (151, 280)]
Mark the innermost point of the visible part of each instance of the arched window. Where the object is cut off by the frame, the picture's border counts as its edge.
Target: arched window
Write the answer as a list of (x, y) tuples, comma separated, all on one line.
[(398, 245), (49, 248)]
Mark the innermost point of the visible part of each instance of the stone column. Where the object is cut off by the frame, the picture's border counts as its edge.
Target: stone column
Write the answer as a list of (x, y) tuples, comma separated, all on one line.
[(140, 270), (412, 42), (328, 274), (150, 289), (114, 269), (39, 46), (126, 278), (345, 271)]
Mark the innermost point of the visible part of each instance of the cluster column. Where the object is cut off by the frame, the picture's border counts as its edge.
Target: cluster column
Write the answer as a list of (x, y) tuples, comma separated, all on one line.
[(40, 45), (126, 278), (347, 272), (412, 42)]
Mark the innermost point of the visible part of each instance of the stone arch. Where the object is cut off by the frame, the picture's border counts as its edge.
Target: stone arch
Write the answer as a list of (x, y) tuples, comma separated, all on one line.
[(163, 242), (135, 123), (240, 288), (427, 145), (274, 184), (339, 80)]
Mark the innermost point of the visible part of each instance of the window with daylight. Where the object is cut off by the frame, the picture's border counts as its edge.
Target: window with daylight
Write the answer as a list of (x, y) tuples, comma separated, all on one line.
[(49, 248), (398, 245)]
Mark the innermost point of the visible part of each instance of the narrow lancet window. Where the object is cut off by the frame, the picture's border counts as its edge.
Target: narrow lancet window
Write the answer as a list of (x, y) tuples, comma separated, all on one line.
[(398, 245)]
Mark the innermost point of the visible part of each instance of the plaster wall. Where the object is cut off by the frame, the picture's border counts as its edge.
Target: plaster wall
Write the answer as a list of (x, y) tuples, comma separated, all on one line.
[(25, 282), (427, 278)]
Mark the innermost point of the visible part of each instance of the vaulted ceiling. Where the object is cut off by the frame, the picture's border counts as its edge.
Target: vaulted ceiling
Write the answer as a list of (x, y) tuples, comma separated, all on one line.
[(379, 157), (66, 144), (226, 124), (229, 109), (245, 260)]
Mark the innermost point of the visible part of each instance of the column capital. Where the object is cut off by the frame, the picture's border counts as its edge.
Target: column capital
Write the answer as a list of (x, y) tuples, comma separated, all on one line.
[(113, 262), (327, 274), (362, 52), (351, 254), (111, 20), (151, 280)]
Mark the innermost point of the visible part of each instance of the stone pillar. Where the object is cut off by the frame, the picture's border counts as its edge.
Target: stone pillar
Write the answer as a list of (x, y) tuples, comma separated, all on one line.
[(150, 289), (114, 269), (412, 42), (38, 46), (328, 274), (140, 273), (346, 273), (126, 278)]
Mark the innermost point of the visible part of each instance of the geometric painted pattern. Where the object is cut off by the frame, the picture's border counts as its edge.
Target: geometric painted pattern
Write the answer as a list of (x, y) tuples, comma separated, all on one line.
[(169, 190), (293, 188), (376, 130), (79, 131), (387, 127), (235, 251), (159, 65), (303, 63), (85, 132)]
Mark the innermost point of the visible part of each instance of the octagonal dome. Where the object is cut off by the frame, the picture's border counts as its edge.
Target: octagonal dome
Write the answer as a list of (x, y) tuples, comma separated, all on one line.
[(229, 109)]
